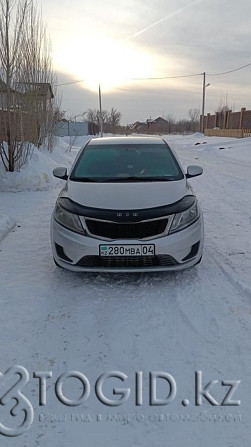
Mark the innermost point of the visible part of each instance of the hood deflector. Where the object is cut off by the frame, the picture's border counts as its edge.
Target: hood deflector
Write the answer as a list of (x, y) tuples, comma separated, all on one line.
[(127, 215)]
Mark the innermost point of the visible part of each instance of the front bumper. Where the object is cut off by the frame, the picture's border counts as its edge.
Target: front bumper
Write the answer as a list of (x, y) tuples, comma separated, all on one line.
[(173, 252)]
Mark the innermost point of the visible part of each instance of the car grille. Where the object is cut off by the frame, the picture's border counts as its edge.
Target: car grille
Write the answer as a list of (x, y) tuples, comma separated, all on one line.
[(127, 261), (141, 230)]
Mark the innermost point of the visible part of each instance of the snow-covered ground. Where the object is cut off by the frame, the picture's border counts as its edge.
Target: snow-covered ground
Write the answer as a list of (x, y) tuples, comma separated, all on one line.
[(55, 320)]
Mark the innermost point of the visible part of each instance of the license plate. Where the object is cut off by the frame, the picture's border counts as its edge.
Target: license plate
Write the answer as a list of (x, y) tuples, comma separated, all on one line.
[(127, 250)]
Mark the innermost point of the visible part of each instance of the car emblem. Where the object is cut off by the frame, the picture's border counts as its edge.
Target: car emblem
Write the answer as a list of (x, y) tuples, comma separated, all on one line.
[(127, 214)]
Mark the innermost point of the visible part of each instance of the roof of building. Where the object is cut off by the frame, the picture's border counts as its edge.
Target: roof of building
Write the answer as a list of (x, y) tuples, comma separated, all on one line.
[(40, 88)]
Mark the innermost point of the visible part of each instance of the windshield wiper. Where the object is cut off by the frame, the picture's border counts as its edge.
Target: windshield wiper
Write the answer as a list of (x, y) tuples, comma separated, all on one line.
[(85, 179), (138, 179)]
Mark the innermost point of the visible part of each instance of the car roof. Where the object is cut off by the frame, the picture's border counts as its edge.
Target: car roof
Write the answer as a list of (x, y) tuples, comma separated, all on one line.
[(126, 140)]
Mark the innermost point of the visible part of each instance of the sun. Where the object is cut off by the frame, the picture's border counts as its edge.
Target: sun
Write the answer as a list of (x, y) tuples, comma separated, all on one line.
[(102, 60)]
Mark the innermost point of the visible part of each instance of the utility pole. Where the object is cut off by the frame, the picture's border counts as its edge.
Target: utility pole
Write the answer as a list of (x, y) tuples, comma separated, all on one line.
[(100, 111), (203, 103)]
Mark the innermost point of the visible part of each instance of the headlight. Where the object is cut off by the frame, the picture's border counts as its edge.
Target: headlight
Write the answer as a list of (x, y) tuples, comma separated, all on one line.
[(186, 218), (67, 220)]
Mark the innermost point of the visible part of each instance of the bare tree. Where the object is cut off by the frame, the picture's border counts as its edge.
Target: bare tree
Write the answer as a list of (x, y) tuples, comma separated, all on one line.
[(171, 122), (114, 117), (91, 118), (38, 86), (59, 114), (194, 115), (223, 104), (12, 23), (105, 117), (111, 120), (25, 68), (91, 115)]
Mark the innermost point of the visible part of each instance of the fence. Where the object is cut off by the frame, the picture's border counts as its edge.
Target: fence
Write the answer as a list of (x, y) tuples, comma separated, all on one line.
[(72, 129), (18, 125), (229, 120), (235, 133), (228, 124)]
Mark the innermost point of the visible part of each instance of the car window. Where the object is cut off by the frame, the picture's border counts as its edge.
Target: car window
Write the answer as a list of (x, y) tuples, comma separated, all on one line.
[(126, 162)]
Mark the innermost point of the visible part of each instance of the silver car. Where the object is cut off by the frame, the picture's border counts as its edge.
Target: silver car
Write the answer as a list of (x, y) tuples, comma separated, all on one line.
[(127, 206)]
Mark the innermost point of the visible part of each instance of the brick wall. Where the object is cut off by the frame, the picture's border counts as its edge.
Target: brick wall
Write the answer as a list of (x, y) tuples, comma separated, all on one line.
[(229, 120), (246, 119), (234, 120)]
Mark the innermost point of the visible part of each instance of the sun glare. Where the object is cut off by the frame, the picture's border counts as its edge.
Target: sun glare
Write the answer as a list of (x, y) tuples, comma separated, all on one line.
[(104, 61)]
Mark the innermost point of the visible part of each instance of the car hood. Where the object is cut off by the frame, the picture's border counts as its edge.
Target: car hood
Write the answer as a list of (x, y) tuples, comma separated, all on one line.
[(126, 196)]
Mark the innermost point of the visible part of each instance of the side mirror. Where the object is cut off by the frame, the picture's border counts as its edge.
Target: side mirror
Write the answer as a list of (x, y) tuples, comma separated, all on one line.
[(193, 171), (60, 173)]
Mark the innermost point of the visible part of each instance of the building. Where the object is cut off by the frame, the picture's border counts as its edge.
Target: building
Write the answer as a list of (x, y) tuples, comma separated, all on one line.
[(158, 126), (26, 113), (14, 99)]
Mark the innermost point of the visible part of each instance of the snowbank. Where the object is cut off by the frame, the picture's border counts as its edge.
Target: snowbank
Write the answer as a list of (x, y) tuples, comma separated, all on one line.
[(36, 174), (6, 224)]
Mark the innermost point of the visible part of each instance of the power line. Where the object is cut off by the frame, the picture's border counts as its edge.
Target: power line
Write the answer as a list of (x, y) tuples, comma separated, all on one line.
[(137, 79), (230, 71), (69, 83), (166, 77), (140, 100)]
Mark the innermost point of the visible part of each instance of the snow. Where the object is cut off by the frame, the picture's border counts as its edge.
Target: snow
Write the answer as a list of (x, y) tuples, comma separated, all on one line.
[(199, 319), (6, 224), (36, 174)]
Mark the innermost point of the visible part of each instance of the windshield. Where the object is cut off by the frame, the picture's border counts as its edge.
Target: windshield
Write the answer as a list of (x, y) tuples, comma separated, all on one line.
[(126, 162)]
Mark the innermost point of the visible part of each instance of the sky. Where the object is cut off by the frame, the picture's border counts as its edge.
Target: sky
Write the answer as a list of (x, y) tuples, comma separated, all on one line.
[(117, 43)]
